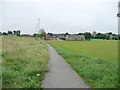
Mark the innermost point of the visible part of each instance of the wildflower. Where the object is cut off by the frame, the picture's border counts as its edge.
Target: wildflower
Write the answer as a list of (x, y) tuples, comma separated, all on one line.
[(38, 74)]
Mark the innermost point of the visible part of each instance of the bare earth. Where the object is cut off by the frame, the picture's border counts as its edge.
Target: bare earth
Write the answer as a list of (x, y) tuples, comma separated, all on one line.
[(60, 74)]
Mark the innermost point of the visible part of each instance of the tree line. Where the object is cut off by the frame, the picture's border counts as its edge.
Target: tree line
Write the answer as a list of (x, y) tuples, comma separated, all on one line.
[(10, 33), (95, 35), (87, 35)]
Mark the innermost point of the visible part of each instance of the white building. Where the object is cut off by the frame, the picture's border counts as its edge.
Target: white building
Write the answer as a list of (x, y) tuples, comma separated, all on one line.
[(75, 37), (94, 34)]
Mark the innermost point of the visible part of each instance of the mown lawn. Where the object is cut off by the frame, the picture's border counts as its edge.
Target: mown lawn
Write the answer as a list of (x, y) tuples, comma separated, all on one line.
[(95, 61), (24, 62)]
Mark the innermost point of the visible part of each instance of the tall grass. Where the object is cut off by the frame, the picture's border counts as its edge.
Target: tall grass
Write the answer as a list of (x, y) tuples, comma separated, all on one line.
[(24, 62), (99, 68)]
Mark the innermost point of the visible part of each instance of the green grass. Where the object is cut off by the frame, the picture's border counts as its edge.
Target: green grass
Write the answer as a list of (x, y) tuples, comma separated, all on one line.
[(24, 62), (95, 61)]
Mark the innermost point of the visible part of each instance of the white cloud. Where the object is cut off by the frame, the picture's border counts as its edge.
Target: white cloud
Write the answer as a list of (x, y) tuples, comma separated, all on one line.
[(61, 15)]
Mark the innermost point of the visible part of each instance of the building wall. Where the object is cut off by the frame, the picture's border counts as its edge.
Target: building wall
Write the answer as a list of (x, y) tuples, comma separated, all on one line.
[(94, 34), (75, 37)]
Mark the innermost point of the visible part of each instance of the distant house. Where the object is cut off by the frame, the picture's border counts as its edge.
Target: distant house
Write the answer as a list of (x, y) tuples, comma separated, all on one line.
[(58, 36), (115, 37), (63, 37), (55, 37), (110, 37), (75, 37), (94, 34)]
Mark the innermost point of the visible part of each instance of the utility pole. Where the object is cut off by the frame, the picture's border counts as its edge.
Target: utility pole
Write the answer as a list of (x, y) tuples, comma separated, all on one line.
[(39, 24), (118, 15)]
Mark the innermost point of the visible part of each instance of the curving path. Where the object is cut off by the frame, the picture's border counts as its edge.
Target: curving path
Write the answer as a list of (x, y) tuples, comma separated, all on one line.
[(60, 74)]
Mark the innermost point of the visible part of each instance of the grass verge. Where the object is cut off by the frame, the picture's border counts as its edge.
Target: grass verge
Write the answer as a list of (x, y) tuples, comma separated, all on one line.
[(97, 72), (24, 62)]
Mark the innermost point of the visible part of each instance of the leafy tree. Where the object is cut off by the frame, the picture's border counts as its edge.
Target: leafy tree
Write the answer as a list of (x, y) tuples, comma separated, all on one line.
[(50, 34), (87, 35), (80, 34), (100, 35), (9, 32), (4, 33), (110, 33), (0, 33), (118, 15), (42, 33), (34, 35), (119, 36), (66, 34), (14, 32)]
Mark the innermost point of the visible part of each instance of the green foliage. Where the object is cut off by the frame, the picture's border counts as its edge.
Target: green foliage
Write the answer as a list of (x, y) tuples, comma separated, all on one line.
[(43, 34), (87, 35), (66, 34), (100, 36), (95, 61), (24, 62)]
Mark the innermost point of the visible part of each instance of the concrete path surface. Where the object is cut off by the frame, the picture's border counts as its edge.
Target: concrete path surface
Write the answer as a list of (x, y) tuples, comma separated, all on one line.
[(60, 74)]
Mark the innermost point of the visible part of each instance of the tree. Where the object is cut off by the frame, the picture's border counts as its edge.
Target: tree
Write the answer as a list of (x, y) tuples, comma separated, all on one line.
[(100, 36), (34, 35), (0, 33), (50, 34), (110, 33), (87, 35), (118, 15), (119, 37), (66, 34), (42, 33), (14, 32), (9, 32), (4, 33), (80, 34)]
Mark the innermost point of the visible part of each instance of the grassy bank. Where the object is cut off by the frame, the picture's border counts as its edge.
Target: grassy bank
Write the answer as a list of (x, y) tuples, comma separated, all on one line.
[(24, 62), (95, 61)]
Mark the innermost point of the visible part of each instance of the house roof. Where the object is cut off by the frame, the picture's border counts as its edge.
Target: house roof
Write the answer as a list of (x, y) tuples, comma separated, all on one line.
[(75, 36)]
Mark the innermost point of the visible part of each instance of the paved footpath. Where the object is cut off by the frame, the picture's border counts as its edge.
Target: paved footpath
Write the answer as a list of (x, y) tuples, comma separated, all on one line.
[(60, 74)]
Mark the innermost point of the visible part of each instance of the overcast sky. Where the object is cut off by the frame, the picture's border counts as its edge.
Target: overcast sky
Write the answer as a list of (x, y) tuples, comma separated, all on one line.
[(59, 16)]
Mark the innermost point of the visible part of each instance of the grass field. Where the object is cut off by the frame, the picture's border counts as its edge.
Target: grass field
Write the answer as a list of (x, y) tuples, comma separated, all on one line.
[(95, 61), (24, 62)]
